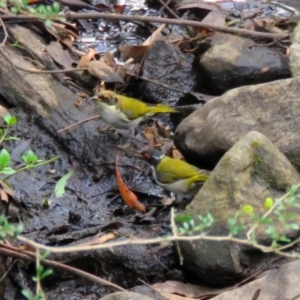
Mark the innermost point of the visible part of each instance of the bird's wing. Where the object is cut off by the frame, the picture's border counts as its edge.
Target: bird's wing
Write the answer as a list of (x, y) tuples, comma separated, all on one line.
[(171, 170), (132, 108)]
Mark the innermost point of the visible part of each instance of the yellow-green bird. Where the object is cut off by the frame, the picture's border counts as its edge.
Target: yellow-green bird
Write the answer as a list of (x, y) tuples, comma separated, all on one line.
[(175, 175), (124, 112)]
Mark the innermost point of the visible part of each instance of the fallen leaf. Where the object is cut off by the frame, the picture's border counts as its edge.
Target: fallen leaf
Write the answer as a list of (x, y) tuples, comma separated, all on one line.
[(216, 18), (128, 196), (266, 25), (166, 133), (100, 240), (109, 59), (62, 57), (85, 59), (152, 136), (136, 52), (104, 72), (185, 289), (264, 70), (176, 154)]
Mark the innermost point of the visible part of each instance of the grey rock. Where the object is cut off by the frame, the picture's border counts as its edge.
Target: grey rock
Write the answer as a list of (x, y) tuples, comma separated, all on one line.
[(252, 170), (271, 108), (167, 64), (232, 61), (294, 56), (276, 284)]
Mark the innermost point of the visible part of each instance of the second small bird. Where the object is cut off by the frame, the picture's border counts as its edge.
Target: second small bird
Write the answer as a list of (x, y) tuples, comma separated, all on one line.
[(175, 175), (124, 112)]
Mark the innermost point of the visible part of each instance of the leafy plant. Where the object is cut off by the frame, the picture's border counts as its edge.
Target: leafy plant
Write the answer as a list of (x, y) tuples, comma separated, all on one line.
[(9, 230), (45, 12)]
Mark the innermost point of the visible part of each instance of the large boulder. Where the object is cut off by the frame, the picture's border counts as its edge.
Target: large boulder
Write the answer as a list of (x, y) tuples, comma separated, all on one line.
[(252, 170), (270, 108), (232, 61), (276, 284)]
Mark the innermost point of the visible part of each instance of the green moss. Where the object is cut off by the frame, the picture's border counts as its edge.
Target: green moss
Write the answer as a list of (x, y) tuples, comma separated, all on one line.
[(256, 162), (255, 144)]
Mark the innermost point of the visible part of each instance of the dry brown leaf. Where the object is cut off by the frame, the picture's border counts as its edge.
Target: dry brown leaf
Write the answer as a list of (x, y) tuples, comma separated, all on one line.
[(100, 240), (136, 52), (156, 35), (3, 196), (59, 55), (102, 71), (109, 60), (166, 133), (266, 25), (152, 136), (185, 289), (216, 18), (3, 111), (85, 59), (127, 195), (264, 70), (167, 146), (176, 154)]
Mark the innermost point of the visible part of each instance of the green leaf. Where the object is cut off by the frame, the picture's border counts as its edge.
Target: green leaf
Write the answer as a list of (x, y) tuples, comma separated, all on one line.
[(56, 7), (61, 183), (49, 10), (183, 218), (14, 10), (45, 254), (284, 239), (48, 23), (46, 273), (32, 10), (12, 138), (293, 189), (27, 294), (41, 9), (29, 157), (186, 226), (266, 220), (10, 120), (25, 3), (4, 159), (8, 171), (293, 226)]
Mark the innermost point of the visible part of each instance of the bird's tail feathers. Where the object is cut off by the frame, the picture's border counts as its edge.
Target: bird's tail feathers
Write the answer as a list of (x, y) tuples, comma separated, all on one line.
[(199, 179), (161, 108)]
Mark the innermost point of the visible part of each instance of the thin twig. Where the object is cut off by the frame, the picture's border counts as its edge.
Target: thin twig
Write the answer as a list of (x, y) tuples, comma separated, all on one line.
[(13, 252), (109, 16), (168, 9), (5, 33), (8, 270), (78, 123)]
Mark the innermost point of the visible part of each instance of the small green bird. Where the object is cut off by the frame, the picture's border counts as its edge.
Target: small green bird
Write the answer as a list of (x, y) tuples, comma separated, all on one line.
[(175, 175), (124, 112)]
